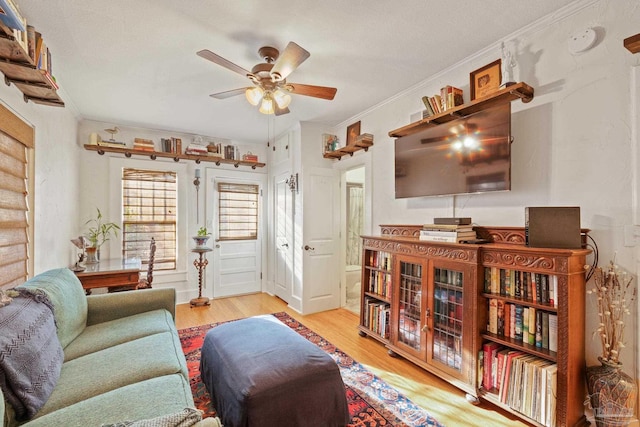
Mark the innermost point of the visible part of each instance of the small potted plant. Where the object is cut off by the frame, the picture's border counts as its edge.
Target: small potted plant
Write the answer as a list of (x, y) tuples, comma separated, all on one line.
[(98, 233), (202, 237)]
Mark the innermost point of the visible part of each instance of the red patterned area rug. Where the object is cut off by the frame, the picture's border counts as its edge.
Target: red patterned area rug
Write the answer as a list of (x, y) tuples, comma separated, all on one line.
[(372, 402)]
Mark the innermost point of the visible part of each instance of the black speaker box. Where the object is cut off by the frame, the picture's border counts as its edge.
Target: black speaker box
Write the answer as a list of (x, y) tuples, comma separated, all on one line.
[(553, 227)]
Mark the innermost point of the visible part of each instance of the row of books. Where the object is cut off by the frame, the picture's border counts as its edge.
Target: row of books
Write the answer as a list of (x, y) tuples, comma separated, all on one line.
[(196, 150), (448, 277), (143, 144), (377, 316), (447, 307), (29, 39), (363, 139), (528, 325), (535, 287), (447, 233), (380, 283), (171, 145), (448, 98), (380, 259), (522, 381)]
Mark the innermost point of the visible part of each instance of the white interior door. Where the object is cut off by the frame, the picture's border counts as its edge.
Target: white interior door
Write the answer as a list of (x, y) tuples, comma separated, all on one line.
[(321, 240), (237, 264), (283, 250)]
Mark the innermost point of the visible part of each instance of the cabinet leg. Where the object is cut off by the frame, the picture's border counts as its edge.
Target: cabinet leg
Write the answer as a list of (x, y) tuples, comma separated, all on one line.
[(392, 353), (472, 399), (362, 334)]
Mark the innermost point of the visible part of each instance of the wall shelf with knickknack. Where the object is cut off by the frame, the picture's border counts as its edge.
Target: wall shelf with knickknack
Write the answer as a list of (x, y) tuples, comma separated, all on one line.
[(362, 142), (19, 68), (510, 93), (153, 155)]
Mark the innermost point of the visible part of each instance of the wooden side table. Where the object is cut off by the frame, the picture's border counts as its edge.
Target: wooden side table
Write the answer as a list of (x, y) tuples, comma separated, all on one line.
[(200, 264)]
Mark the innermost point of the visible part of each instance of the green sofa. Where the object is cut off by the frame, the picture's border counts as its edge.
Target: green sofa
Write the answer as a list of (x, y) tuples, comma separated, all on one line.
[(122, 357)]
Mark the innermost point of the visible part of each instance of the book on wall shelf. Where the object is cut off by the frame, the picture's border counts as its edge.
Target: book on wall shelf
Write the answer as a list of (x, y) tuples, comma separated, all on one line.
[(10, 15)]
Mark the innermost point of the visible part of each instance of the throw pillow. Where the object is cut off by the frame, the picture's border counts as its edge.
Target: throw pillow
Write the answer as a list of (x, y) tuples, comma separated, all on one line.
[(30, 354)]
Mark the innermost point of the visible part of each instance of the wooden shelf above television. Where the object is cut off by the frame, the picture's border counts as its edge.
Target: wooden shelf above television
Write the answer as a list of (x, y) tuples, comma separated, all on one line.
[(153, 155), (510, 93)]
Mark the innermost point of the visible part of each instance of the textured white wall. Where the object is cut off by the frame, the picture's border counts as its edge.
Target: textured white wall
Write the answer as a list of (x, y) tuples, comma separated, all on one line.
[(56, 179), (573, 143)]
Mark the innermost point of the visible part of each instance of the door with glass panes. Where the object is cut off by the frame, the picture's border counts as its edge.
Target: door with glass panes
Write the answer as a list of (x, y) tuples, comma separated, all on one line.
[(430, 322)]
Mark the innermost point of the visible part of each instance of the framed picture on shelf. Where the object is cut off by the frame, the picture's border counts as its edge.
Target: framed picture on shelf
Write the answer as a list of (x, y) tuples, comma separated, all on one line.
[(485, 80), (352, 133), (329, 143)]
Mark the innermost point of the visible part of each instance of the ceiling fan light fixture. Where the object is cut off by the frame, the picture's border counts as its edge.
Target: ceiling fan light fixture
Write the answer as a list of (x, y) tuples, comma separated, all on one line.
[(254, 95), (267, 105), (282, 99)]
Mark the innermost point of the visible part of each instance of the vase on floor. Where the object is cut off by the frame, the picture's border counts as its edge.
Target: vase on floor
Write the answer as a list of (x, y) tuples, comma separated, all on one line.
[(612, 394)]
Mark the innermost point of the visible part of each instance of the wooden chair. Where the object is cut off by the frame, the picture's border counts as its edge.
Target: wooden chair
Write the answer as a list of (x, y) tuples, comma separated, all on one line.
[(145, 283)]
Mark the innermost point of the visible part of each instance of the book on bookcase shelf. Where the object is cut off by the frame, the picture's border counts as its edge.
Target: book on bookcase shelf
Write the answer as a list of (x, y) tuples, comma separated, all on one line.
[(376, 316), (529, 287), (522, 381), (525, 325)]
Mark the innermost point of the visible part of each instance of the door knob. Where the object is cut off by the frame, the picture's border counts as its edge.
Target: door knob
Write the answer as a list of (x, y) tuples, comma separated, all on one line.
[(285, 245), (307, 247)]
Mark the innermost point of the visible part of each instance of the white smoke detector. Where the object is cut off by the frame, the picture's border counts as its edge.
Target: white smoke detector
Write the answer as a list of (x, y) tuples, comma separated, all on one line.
[(582, 41)]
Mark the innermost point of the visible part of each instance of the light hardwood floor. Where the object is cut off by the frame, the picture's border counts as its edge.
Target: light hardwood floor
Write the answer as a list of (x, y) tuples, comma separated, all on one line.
[(443, 401)]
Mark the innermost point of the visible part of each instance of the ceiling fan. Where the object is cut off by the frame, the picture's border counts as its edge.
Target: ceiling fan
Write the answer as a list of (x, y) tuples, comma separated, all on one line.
[(270, 87)]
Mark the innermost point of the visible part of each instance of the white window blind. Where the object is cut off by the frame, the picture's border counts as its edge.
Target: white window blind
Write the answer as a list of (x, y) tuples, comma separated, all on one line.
[(237, 211), (149, 210), (14, 227)]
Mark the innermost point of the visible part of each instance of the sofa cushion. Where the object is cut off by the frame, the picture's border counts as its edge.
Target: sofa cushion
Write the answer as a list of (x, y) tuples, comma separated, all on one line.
[(145, 399), (114, 367), (107, 334), (30, 353), (69, 301)]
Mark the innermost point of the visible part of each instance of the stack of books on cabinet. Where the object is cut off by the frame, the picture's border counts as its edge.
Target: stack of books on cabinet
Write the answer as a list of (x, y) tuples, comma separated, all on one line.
[(450, 233), (26, 59)]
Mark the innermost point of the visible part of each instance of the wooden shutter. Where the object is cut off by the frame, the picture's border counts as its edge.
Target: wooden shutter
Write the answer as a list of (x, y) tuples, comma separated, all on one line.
[(14, 200), (150, 210), (238, 211)]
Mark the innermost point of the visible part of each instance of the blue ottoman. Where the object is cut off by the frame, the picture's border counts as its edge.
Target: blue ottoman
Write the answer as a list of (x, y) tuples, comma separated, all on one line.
[(259, 372)]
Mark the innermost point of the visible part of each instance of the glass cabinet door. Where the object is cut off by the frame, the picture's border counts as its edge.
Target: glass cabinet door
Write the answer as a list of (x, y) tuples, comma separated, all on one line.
[(447, 331), (410, 307)]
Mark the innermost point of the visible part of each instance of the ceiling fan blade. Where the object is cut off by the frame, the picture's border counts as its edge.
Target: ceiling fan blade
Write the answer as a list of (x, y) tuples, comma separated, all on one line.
[(310, 90), (229, 93), (280, 111), (217, 59), (292, 56)]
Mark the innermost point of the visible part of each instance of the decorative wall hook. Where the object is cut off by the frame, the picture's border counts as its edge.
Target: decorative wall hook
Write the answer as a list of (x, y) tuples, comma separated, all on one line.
[(293, 182)]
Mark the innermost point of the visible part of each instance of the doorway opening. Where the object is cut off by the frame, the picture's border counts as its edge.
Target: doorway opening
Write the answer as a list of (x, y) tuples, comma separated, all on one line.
[(354, 228)]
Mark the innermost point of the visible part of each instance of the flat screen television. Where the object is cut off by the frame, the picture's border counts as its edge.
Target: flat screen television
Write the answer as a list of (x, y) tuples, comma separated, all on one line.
[(463, 156)]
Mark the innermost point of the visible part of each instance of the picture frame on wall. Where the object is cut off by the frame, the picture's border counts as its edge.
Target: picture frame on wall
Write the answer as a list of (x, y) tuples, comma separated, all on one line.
[(485, 80), (352, 133)]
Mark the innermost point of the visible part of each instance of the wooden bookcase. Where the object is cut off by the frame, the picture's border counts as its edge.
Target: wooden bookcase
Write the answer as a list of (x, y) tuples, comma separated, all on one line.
[(18, 68), (439, 308)]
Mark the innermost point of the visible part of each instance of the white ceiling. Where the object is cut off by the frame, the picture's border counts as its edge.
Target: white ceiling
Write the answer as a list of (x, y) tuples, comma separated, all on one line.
[(134, 62)]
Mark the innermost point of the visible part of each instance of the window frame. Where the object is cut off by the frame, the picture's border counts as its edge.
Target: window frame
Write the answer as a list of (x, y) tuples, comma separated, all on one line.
[(218, 185), (161, 255), (116, 164)]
